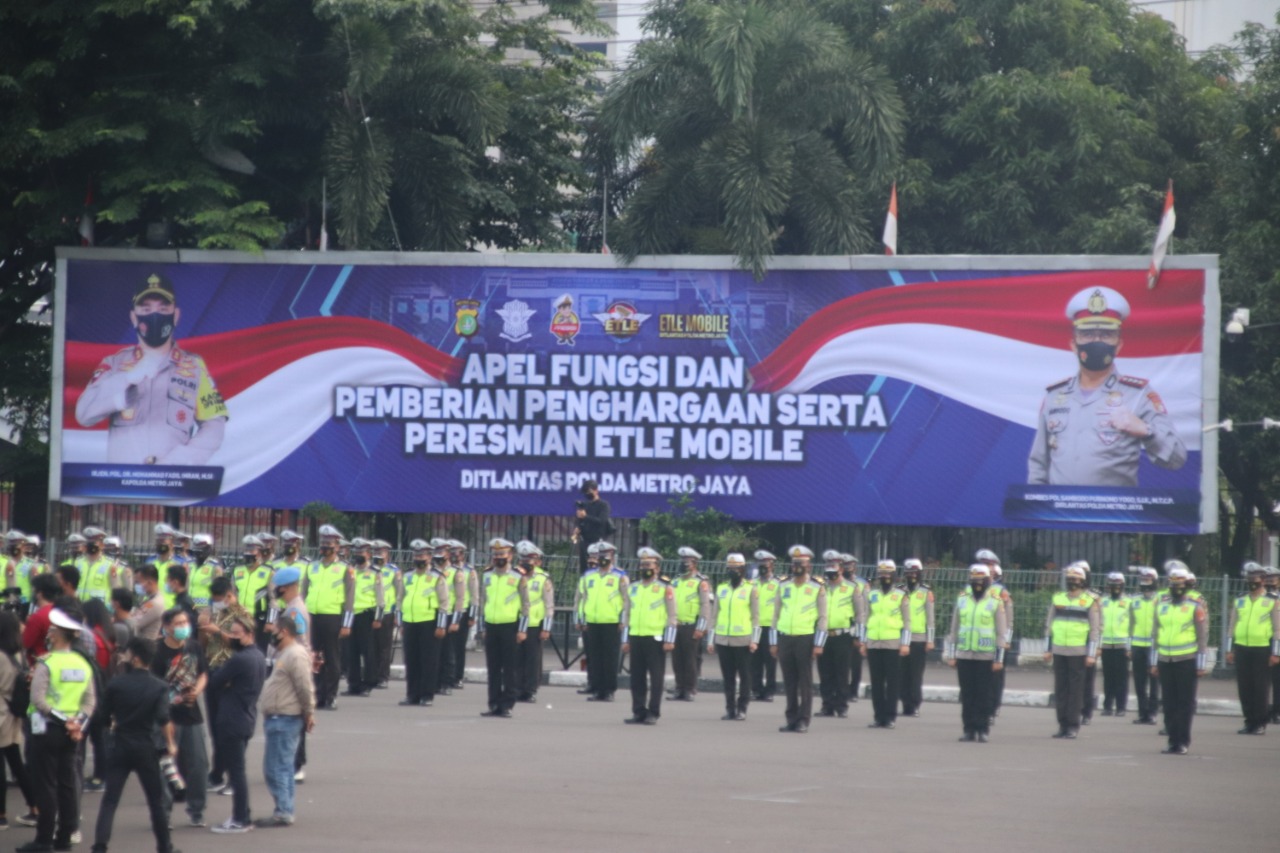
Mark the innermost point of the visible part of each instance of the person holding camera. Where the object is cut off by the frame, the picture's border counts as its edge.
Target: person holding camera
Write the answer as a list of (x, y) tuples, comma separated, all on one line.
[(136, 704), (180, 663), (593, 522)]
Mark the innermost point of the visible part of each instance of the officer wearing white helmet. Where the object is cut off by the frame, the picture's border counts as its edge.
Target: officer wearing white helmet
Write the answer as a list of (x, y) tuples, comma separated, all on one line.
[(844, 632), (202, 569), (1143, 609), (601, 604), (504, 609), (1117, 637), (252, 580), (1000, 592), (542, 611), (370, 603), (735, 635), (886, 641), (164, 558), (764, 666), (849, 571), (98, 572), (1071, 629), (693, 609), (650, 633), (1094, 425), (75, 551), (1253, 646), (424, 620), (799, 633), (269, 543), (182, 546), (329, 588), (456, 586), (467, 591), (973, 647), (14, 567), (1179, 645), (384, 637), (922, 626)]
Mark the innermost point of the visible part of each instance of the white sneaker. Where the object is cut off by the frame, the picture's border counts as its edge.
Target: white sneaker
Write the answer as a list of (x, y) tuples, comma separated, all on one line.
[(300, 776), (77, 837), (230, 827)]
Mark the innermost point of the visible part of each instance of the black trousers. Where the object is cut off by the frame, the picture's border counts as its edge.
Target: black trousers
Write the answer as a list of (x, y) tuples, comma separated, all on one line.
[(529, 663), (684, 660), (975, 694), (912, 693), (458, 640), (1145, 686), (886, 684), (1115, 679), (1253, 682), (325, 628), (232, 748), (385, 643), (1178, 681), (604, 645), (855, 671), (216, 770), (1068, 689), (500, 657), (795, 658), (1088, 695), (421, 659), (362, 653), (123, 759), (444, 672), (764, 668), (648, 671), (833, 673), (52, 767), (12, 755), (997, 691), (735, 671)]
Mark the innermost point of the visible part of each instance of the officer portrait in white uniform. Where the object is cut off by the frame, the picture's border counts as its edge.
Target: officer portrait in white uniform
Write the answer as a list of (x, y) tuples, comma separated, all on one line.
[(1094, 426), (163, 405)]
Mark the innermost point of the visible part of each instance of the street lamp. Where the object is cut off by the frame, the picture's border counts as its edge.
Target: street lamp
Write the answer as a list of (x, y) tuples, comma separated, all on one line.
[(1229, 425), (1239, 322)]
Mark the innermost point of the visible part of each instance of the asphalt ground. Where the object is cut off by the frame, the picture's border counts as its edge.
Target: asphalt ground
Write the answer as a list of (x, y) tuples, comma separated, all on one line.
[(567, 775)]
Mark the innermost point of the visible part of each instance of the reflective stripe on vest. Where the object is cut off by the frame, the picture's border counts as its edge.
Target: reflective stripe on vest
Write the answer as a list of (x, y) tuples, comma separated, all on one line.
[(69, 677), (537, 607), (421, 604), (501, 597), (884, 616), (648, 609), (96, 581), (366, 590), (977, 623), (602, 597), (201, 579), (1253, 621), (326, 588), (1177, 629), (249, 584), (1144, 615), (768, 598), (688, 598), (733, 610), (1071, 620), (799, 611), (1115, 620), (840, 610)]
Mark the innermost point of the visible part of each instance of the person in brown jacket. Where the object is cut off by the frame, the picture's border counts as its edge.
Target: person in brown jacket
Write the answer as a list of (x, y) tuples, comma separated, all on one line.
[(288, 708)]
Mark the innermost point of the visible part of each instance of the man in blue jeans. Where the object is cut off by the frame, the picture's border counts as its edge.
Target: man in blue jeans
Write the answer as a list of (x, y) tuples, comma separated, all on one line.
[(238, 683), (288, 708)]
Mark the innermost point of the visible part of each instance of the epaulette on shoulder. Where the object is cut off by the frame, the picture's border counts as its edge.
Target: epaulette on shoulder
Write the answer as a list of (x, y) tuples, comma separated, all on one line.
[(1132, 381), (1056, 385)]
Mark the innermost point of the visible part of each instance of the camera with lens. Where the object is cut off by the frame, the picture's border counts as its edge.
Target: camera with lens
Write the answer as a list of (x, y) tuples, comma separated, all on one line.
[(11, 600), (580, 504), (169, 768)]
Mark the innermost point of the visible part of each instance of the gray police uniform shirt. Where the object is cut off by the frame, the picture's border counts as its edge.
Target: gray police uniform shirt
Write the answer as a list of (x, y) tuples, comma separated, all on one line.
[(176, 417), (1076, 443)]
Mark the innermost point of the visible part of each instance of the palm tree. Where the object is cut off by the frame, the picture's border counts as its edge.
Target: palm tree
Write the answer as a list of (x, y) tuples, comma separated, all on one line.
[(759, 128)]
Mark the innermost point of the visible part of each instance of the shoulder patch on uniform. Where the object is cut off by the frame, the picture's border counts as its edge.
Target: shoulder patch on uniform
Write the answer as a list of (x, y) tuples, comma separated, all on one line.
[(671, 593), (1133, 381), (1056, 385)]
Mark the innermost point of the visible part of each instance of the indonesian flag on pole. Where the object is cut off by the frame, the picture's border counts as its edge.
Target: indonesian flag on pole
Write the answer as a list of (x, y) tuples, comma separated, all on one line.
[(891, 223), (605, 250), (1163, 235), (85, 227)]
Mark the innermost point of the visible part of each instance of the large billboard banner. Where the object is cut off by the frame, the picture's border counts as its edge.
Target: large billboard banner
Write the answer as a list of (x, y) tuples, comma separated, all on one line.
[(1042, 392)]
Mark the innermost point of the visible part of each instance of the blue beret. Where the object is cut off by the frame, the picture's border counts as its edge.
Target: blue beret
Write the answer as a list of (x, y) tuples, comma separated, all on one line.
[(286, 576)]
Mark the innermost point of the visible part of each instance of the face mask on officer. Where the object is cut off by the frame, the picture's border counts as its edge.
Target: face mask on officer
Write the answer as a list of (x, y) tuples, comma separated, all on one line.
[(500, 562), (1116, 590), (799, 570), (647, 571), (832, 575), (978, 585), (290, 548), (1075, 584), (605, 560), (419, 562), (1146, 587), (1177, 591), (163, 547), (155, 329), (250, 557), (1097, 348), (735, 576), (913, 581), (886, 583), (849, 573)]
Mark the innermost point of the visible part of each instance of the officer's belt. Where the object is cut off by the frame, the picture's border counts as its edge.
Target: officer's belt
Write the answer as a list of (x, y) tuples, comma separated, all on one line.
[(840, 632), (785, 634), (1072, 615)]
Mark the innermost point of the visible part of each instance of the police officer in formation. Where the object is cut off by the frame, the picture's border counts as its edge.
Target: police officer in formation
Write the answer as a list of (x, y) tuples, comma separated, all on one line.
[(844, 632), (921, 623), (467, 584), (1253, 645), (328, 587), (649, 634), (542, 611), (601, 610), (764, 666), (384, 635), (974, 648), (886, 640), (1117, 638), (798, 637), (1072, 628), (1179, 643), (693, 607), (504, 609), (1088, 699), (1272, 585), (370, 604), (1001, 593), (849, 569), (735, 635), (1143, 607), (424, 620)]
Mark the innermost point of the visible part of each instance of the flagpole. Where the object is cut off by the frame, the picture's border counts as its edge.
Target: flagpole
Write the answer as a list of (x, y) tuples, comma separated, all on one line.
[(604, 215)]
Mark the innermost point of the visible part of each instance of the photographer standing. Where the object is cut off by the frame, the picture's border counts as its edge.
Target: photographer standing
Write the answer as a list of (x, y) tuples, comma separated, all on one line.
[(594, 523), (181, 663), (137, 704)]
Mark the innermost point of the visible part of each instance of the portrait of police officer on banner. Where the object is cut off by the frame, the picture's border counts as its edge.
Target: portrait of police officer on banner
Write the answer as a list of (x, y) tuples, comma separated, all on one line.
[(1094, 426), (163, 406)]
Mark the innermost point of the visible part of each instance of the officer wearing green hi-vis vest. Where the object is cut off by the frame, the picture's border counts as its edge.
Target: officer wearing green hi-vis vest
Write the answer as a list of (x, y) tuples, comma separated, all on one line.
[(391, 589), (98, 571), (328, 587), (504, 608), (1253, 645), (650, 633), (1117, 635), (1179, 644), (735, 617), (424, 618), (368, 607), (542, 609), (844, 631), (1071, 639), (252, 581), (922, 630), (203, 569), (973, 647), (467, 588), (693, 609), (764, 666), (799, 633), (1143, 608), (886, 639)]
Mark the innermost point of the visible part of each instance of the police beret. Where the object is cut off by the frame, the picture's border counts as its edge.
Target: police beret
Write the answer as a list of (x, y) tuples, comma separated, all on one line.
[(687, 553), (1097, 308), (764, 555), (799, 551), (286, 576)]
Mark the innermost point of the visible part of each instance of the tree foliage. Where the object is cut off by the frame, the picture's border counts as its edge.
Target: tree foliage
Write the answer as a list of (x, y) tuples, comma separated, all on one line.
[(710, 532)]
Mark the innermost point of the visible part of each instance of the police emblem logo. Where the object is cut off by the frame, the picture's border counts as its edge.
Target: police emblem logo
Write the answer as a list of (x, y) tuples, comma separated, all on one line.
[(1114, 398), (565, 324), (515, 320), (1097, 303), (467, 321), (621, 321)]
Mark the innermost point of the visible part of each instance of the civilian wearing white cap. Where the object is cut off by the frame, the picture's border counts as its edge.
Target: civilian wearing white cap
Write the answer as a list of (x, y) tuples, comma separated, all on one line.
[(1178, 648), (1071, 642), (1093, 426), (1143, 608), (735, 635), (1117, 634), (693, 611)]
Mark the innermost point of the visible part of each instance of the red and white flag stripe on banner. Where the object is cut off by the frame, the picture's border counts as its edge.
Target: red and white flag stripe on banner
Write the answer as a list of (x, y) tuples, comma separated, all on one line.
[(277, 381)]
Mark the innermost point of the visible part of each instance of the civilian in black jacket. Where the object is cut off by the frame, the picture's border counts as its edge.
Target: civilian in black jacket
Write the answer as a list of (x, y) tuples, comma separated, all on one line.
[(593, 521), (237, 683), (136, 704)]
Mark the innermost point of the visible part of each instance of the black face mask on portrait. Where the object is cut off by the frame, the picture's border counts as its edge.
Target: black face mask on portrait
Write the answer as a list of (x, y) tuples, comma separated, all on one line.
[(154, 330), (1096, 355)]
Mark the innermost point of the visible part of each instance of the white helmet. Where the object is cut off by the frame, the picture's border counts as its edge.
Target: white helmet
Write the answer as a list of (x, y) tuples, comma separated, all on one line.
[(251, 541), (593, 548), (419, 545), (525, 548), (986, 555), (735, 559), (796, 551), (980, 570), (648, 553), (829, 555), (687, 553), (15, 535), (763, 555), (328, 531), (163, 529), (886, 567), (912, 565), (606, 547), (205, 539), (1172, 566), (94, 533), (496, 543)]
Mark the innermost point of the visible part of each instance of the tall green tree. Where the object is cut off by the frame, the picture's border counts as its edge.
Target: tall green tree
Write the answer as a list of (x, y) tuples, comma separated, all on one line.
[(758, 125)]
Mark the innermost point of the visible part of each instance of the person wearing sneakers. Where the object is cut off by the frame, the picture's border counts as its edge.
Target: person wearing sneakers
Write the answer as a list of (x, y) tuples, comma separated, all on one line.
[(735, 634), (238, 683), (288, 709)]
